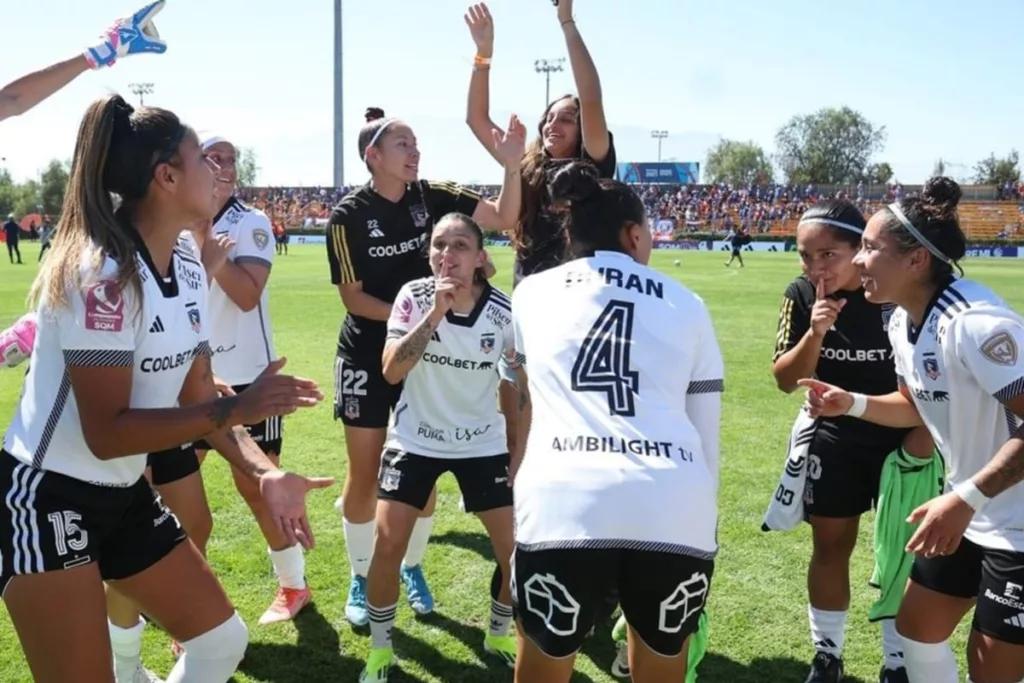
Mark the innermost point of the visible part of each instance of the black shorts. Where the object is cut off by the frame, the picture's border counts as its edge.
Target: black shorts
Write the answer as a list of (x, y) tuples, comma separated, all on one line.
[(843, 478), (559, 593), (174, 464), (268, 434), (994, 577), (362, 397), (409, 478), (52, 522)]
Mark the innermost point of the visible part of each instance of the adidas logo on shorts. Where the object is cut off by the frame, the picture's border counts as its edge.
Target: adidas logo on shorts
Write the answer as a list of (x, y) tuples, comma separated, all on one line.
[(376, 232)]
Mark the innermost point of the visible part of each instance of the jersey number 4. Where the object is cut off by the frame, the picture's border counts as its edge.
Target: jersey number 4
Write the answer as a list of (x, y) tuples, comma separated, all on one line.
[(603, 364)]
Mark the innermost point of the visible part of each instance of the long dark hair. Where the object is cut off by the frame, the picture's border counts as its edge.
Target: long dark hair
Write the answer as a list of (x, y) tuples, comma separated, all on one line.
[(535, 177), (599, 209), (116, 153)]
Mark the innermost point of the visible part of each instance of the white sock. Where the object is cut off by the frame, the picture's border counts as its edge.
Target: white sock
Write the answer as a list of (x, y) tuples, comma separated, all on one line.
[(418, 541), (382, 620), (892, 645), (359, 543), (214, 656), (930, 662), (828, 630), (501, 618), (290, 566), (126, 644)]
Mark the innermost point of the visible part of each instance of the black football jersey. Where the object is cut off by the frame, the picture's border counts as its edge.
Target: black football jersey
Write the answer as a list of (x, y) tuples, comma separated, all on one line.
[(855, 354), (383, 244)]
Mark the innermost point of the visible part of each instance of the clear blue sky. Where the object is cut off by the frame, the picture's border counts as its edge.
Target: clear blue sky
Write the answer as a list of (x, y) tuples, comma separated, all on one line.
[(943, 76)]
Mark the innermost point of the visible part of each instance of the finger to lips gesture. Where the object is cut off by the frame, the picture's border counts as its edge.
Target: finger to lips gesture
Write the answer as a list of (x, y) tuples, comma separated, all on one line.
[(825, 310), (445, 288)]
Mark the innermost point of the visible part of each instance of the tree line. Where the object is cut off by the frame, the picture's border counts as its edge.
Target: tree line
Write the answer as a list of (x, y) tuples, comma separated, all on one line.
[(832, 146), (45, 193)]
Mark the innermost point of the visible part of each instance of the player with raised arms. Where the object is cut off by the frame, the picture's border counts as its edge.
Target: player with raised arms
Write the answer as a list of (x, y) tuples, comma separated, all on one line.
[(242, 340), (444, 337), (957, 354), (572, 127), (626, 370), (101, 392), (828, 329), (130, 35), (376, 242)]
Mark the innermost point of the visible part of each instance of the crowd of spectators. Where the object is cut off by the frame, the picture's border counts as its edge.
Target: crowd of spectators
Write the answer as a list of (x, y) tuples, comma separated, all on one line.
[(688, 208)]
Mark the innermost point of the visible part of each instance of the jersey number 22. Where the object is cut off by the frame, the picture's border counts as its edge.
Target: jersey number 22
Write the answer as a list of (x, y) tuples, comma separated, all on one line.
[(603, 363)]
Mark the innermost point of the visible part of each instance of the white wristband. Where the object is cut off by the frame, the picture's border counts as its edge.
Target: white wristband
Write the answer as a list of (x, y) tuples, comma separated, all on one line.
[(859, 407), (971, 495)]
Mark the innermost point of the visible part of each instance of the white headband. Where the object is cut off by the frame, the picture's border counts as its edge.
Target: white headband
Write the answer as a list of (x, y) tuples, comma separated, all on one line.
[(208, 140), (376, 136), (829, 221), (936, 252)]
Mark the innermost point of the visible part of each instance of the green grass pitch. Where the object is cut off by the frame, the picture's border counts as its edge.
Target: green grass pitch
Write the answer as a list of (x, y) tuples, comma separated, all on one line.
[(759, 630)]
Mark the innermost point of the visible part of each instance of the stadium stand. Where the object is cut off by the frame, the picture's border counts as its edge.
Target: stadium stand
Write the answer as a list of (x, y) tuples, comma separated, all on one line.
[(986, 212)]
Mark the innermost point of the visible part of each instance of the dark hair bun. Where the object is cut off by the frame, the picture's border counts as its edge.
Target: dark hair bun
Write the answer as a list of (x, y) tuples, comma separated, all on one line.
[(374, 113), (941, 196), (574, 182)]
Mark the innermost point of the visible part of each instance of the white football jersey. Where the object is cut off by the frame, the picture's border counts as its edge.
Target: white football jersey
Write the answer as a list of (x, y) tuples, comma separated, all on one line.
[(961, 368), (104, 326), (242, 341), (625, 378), (449, 405)]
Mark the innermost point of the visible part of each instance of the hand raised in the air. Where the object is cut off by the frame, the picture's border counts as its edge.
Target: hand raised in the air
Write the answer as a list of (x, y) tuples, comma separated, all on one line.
[(130, 35), (273, 394), (284, 494), (825, 311), (481, 28), (510, 146), (825, 400)]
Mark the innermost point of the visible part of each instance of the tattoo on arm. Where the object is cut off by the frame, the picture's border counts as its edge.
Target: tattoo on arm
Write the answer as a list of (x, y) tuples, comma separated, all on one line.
[(221, 409), (411, 346), (524, 399), (1005, 470)]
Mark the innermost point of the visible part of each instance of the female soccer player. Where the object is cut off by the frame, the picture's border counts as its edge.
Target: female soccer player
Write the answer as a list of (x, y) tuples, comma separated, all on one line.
[(131, 35), (101, 388), (829, 330), (242, 340), (444, 335), (957, 354), (625, 446), (376, 240), (572, 127), (176, 476)]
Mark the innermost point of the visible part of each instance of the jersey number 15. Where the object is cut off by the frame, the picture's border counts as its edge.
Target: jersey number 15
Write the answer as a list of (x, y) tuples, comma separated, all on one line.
[(603, 364)]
